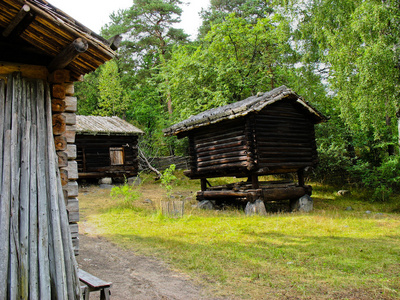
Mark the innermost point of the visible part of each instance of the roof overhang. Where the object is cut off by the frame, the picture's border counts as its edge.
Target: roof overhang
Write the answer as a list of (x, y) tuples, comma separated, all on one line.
[(35, 32), (253, 104)]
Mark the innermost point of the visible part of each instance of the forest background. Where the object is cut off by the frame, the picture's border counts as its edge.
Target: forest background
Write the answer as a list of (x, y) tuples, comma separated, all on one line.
[(341, 56)]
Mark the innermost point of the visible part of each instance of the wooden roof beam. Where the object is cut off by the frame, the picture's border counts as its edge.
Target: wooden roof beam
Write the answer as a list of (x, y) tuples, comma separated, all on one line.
[(68, 54), (18, 19), (115, 42)]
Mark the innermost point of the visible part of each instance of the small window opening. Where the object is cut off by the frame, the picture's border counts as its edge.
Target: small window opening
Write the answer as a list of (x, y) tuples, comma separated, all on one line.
[(116, 156)]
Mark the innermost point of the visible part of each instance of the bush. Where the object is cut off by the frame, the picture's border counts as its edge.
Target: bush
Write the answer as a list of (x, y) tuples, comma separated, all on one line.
[(128, 193), (167, 178), (383, 179)]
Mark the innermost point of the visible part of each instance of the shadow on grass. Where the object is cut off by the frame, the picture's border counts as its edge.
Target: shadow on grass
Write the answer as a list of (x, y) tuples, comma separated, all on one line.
[(319, 265)]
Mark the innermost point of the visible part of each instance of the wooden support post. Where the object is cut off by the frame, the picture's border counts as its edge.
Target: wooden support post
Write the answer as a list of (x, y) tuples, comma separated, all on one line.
[(68, 54), (300, 175), (203, 182), (254, 181)]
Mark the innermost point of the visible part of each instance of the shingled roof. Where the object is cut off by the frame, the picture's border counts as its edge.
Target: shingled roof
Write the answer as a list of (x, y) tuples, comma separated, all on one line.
[(35, 32), (242, 108), (95, 125)]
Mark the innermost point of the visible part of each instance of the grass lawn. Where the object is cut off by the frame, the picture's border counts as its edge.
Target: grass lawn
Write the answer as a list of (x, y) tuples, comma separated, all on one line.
[(331, 253)]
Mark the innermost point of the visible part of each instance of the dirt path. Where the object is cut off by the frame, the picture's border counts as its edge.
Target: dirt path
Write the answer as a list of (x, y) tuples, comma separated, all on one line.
[(133, 276)]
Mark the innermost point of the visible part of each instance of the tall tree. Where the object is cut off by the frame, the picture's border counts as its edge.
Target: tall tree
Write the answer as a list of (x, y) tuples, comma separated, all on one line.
[(358, 42), (113, 100), (219, 10), (148, 33), (235, 60)]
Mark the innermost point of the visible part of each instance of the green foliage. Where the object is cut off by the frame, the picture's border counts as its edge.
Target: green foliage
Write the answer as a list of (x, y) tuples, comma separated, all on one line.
[(219, 10), (236, 59), (88, 93), (113, 100), (148, 26), (128, 193), (167, 178), (341, 56), (383, 179)]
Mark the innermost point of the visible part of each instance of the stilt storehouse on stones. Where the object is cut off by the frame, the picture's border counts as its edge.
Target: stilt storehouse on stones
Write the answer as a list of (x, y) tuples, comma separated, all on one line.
[(271, 133)]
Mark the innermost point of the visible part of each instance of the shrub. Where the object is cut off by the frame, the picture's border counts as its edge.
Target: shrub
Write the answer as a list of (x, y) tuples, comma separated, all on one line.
[(128, 193), (167, 178)]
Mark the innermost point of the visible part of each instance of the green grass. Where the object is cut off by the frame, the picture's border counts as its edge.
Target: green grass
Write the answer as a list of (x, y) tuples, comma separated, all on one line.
[(330, 253)]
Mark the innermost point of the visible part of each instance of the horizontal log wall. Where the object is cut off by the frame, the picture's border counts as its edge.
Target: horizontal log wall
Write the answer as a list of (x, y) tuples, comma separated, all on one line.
[(219, 149), (64, 105), (285, 139), (93, 155)]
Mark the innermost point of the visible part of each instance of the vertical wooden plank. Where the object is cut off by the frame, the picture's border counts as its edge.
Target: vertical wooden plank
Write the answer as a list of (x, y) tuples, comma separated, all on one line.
[(33, 204), (5, 209), (300, 176), (43, 234), (24, 195), (33, 219), (2, 104), (7, 108), (59, 277), (14, 279)]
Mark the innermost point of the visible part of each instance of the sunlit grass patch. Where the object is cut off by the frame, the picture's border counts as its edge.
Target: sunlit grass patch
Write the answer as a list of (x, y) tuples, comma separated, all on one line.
[(323, 254)]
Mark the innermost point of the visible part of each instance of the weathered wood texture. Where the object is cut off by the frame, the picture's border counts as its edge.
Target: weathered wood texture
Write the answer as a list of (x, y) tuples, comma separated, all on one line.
[(39, 263), (267, 191), (94, 157), (218, 150), (64, 106), (278, 139), (47, 33), (28, 71), (285, 139)]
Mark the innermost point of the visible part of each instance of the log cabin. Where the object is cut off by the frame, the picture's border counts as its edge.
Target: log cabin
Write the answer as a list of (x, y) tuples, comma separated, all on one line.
[(106, 147), (43, 51), (271, 133)]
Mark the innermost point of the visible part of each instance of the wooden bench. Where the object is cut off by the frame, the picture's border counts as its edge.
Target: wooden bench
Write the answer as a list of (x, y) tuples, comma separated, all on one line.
[(91, 284)]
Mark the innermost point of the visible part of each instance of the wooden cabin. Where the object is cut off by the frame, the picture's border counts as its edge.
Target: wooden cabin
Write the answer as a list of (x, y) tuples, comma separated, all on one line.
[(107, 147), (43, 51), (271, 133)]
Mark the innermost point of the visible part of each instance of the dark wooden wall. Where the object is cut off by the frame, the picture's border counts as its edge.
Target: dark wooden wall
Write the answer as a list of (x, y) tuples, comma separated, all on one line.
[(285, 139), (218, 150), (278, 139), (93, 156)]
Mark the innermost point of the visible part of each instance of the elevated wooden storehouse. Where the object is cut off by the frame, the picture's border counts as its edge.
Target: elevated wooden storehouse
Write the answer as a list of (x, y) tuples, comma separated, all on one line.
[(272, 133), (43, 52), (107, 147)]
